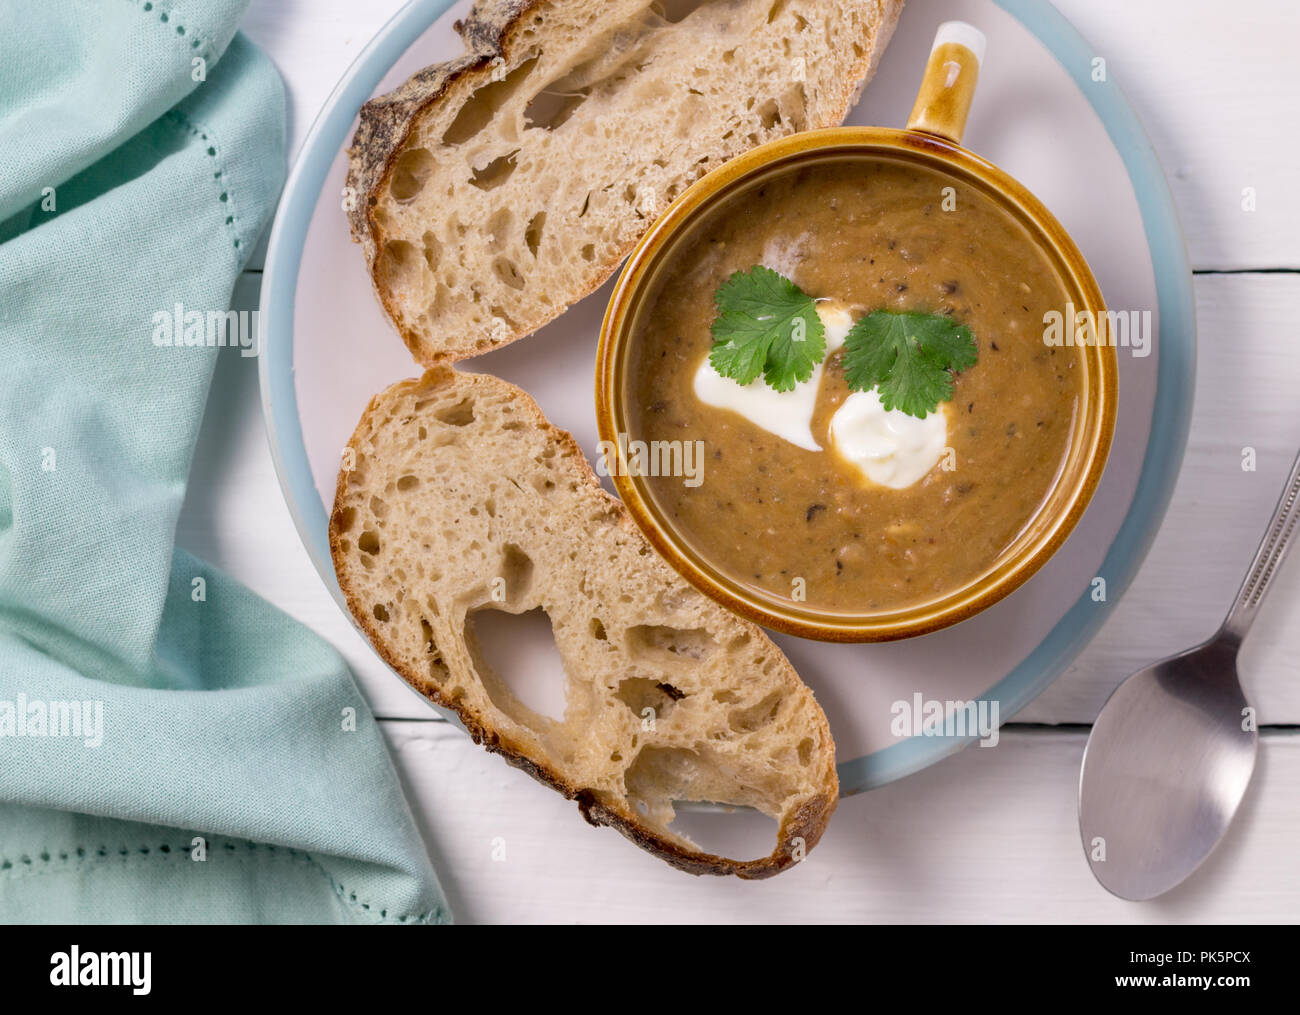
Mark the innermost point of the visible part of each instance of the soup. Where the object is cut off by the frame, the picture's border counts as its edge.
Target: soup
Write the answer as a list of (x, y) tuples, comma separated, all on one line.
[(798, 519)]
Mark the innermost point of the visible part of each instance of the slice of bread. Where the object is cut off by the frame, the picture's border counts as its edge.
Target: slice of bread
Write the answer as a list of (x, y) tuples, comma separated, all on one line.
[(461, 498), (492, 192)]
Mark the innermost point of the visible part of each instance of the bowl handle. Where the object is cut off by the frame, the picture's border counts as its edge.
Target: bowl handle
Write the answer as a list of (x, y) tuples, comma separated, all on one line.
[(948, 87)]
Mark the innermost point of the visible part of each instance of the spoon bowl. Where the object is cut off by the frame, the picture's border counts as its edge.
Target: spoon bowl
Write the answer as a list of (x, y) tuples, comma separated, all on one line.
[(1168, 762), (1172, 751)]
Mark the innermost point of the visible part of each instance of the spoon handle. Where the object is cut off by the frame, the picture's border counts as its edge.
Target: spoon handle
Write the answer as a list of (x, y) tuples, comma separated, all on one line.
[(1268, 558)]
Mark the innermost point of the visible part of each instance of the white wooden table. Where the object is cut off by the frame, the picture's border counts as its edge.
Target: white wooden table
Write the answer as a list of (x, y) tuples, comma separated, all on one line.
[(987, 834)]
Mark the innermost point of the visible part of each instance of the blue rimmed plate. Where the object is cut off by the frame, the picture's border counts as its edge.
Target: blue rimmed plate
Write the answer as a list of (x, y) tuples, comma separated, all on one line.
[(1046, 111)]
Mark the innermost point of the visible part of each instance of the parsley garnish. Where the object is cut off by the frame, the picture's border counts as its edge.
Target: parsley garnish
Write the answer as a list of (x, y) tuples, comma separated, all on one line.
[(909, 358), (766, 324)]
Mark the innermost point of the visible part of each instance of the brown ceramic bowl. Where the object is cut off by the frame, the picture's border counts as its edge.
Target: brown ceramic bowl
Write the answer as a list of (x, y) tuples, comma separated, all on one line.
[(931, 140)]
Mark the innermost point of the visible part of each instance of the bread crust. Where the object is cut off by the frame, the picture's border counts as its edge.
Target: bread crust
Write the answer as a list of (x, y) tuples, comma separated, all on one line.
[(386, 122), (799, 831)]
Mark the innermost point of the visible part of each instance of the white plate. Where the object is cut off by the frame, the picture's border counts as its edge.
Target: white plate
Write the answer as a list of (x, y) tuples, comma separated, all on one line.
[(1039, 113)]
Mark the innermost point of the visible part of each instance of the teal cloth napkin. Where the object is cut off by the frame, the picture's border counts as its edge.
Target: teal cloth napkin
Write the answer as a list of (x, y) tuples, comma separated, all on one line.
[(172, 748)]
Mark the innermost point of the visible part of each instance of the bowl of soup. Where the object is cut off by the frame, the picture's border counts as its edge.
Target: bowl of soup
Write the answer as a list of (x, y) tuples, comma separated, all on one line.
[(847, 384)]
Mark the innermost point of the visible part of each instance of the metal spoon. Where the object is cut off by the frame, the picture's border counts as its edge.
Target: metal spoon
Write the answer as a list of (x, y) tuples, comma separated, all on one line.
[(1173, 749)]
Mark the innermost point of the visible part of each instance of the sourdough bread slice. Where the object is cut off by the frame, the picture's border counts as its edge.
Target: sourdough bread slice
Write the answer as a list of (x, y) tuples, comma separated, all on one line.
[(492, 192), (460, 498)]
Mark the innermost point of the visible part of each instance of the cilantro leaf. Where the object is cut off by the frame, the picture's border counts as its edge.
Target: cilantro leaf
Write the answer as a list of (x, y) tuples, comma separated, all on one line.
[(909, 358), (766, 325)]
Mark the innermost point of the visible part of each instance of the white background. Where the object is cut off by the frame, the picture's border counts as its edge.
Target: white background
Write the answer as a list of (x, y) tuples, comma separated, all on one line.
[(989, 834)]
